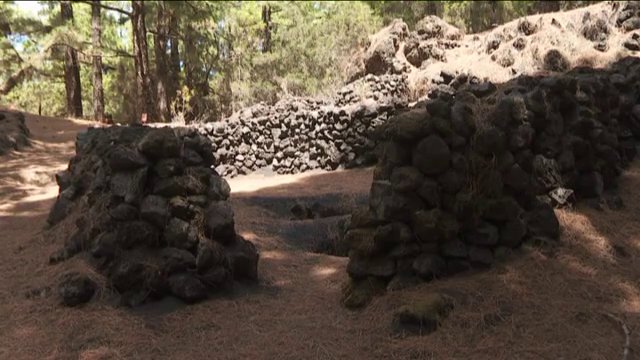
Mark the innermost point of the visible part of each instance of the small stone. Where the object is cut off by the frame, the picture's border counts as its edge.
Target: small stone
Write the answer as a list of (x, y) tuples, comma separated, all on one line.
[(502, 209), (456, 266), (425, 225), (485, 234), (160, 143), (129, 185), (423, 316), (219, 188), (210, 254), (590, 185), (191, 157), (403, 281), (128, 276), (454, 249), (429, 191), (105, 245), (166, 168), (155, 210), (542, 221), (177, 260), (451, 181), (428, 266), (219, 223), (187, 287), (124, 212), (480, 255), (137, 233), (243, 259), (123, 159), (358, 293), (76, 288), (432, 155), (406, 179), (177, 234), (362, 267), (183, 185), (182, 208), (512, 233)]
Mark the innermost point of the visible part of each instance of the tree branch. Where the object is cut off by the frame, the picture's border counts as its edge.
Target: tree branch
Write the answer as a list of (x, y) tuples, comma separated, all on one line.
[(107, 7)]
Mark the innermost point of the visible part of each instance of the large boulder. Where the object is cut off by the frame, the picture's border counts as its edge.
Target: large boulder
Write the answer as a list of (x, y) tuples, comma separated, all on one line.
[(380, 56)]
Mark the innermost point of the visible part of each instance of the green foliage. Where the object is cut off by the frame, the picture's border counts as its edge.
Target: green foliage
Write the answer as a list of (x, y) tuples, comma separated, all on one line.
[(311, 45), (222, 63)]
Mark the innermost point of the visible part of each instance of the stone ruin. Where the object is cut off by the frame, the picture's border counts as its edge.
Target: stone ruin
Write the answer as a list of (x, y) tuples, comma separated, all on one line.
[(463, 179), (149, 213), (300, 134), (14, 134)]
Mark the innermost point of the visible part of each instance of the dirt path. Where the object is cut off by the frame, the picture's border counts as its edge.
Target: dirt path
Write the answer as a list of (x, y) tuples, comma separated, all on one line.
[(538, 305)]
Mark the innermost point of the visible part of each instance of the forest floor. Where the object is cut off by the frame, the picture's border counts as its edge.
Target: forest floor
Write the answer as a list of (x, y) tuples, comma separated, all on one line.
[(539, 304)]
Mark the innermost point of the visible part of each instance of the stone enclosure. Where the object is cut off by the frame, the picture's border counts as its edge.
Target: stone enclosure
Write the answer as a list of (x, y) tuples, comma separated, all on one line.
[(300, 134), (461, 178), (464, 178), (147, 212)]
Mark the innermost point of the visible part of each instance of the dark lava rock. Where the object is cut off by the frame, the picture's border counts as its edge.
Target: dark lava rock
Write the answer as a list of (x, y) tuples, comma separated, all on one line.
[(432, 155), (219, 224), (542, 221), (76, 288), (428, 266), (423, 316), (159, 144), (137, 233), (123, 159), (177, 260), (243, 259), (187, 287), (155, 209)]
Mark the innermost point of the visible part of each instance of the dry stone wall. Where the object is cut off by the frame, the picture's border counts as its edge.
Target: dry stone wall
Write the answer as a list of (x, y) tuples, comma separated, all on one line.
[(462, 179), (144, 207), (300, 134)]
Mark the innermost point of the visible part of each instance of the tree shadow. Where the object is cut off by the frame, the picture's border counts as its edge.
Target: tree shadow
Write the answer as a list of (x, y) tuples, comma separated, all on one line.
[(266, 212)]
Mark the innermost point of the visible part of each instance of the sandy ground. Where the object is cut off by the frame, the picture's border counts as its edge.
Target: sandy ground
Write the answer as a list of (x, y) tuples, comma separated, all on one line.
[(537, 305)]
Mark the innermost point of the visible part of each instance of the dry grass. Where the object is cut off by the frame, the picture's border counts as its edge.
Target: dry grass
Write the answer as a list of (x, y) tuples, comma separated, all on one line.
[(537, 305), (471, 56)]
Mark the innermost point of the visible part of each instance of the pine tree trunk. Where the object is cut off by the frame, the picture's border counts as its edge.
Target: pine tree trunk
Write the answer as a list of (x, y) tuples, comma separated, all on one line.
[(160, 47), (190, 58), (71, 69), (266, 19), (145, 104), (174, 59), (96, 37)]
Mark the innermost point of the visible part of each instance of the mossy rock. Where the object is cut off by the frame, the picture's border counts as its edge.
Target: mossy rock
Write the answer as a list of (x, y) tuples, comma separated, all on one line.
[(358, 293), (423, 316)]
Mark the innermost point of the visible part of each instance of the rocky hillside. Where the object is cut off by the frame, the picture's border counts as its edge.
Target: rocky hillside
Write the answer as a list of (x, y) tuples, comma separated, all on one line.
[(434, 52), (402, 66)]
